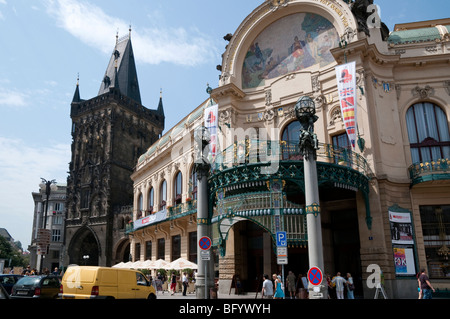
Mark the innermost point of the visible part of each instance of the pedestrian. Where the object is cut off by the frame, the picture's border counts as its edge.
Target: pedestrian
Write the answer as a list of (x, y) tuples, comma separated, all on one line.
[(279, 294), (425, 285), (267, 288), (173, 283), (331, 288), (185, 283), (339, 281), (56, 271), (350, 287), (418, 286), (290, 282)]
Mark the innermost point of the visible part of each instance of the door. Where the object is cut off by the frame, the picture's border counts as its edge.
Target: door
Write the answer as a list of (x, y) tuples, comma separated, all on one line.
[(142, 286)]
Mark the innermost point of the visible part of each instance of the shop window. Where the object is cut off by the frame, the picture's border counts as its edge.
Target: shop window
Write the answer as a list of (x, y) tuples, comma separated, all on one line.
[(436, 234), (428, 132)]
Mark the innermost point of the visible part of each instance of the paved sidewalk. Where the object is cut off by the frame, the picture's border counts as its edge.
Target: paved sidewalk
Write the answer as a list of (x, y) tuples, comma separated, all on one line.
[(179, 295)]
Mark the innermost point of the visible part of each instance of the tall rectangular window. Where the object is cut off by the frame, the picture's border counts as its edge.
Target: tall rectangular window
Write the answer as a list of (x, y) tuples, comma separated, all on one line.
[(436, 235), (176, 247), (148, 250), (193, 247), (161, 248)]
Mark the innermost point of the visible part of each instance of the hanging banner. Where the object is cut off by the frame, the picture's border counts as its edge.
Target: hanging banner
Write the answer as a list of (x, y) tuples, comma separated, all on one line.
[(346, 81), (211, 123)]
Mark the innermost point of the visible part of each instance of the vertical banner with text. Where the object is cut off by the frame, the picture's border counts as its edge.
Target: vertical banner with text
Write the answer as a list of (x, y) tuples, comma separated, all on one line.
[(346, 82), (211, 123)]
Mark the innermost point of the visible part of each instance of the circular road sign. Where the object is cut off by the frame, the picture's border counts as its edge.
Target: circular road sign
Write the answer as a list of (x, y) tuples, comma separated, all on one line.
[(315, 276), (204, 243)]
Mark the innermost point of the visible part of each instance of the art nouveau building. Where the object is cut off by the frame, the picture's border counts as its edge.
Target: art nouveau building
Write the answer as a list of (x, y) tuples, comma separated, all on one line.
[(384, 201)]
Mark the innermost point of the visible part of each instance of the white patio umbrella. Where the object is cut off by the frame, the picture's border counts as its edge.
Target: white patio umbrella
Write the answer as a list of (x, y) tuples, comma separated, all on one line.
[(160, 263), (119, 265), (181, 263), (148, 264)]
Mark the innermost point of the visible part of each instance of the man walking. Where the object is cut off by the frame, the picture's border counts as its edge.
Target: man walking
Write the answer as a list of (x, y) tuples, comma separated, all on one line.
[(267, 289), (425, 285)]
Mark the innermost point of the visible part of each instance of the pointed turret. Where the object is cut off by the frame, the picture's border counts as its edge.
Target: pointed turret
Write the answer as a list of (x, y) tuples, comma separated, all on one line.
[(76, 95), (121, 72), (160, 109)]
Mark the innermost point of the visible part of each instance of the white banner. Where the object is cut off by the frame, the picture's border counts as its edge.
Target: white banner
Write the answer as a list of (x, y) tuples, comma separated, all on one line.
[(346, 81), (211, 123)]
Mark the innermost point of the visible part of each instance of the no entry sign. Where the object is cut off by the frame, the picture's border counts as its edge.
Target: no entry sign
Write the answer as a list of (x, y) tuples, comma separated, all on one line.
[(315, 276)]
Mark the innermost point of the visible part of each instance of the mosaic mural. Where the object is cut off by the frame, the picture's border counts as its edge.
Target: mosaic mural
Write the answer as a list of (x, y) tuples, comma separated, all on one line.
[(290, 44)]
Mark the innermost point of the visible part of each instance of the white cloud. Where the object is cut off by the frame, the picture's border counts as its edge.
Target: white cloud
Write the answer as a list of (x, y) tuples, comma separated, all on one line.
[(153, 45), (21, 167), (12, 98)]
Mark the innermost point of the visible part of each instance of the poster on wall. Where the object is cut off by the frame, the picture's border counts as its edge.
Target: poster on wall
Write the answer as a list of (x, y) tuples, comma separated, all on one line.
[(404, 261), (401, 228), (346, 81), (210, 118)]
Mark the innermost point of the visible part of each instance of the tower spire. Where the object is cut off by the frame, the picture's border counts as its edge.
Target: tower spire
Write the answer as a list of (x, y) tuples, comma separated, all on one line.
[(76, 96)]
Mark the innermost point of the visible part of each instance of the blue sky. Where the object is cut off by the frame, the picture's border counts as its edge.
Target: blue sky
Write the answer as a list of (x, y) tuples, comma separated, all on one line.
[(44, 44)]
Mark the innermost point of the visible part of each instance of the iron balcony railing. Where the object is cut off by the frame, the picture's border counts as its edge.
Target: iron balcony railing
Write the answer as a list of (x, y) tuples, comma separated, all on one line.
[(429, 171), (252, 151)]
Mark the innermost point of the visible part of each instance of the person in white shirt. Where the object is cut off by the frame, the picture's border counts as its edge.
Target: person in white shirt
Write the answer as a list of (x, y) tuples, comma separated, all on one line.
[(339, 282), (267, 289)]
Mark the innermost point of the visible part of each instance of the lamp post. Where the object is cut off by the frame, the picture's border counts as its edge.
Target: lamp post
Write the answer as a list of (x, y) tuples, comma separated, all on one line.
[(305, 112), (47, 187), (202, 167)]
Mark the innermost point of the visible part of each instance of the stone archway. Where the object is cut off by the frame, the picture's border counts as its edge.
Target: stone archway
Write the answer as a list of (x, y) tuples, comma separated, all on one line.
[(84, 243)]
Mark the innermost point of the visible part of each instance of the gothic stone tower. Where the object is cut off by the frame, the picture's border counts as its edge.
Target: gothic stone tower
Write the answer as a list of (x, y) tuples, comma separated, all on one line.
[(109, 133)]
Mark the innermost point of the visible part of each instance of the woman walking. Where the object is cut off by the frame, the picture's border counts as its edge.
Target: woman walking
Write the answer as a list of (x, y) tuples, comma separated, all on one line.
[(279, 294)]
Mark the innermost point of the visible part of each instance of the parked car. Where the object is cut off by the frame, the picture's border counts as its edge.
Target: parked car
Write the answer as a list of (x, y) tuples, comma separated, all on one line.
[(36, 287), (8, 281), (88, 282), (3, 293)]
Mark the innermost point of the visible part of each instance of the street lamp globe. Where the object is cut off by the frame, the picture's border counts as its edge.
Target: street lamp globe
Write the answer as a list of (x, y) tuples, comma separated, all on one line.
[(305, 110)]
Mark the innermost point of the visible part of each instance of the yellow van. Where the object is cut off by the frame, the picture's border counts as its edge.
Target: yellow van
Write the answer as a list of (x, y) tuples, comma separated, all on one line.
[(88, 282)]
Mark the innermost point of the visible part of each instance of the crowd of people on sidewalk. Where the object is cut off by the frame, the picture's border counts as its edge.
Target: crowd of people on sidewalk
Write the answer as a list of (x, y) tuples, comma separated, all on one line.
[(297, 287)]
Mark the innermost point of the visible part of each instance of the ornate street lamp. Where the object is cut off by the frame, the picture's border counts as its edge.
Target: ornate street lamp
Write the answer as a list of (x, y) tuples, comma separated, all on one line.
[(47, 187), (202, 167), (305, 111)]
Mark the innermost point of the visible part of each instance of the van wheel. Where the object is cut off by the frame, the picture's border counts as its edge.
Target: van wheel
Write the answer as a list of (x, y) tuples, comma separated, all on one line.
[(151, 297)]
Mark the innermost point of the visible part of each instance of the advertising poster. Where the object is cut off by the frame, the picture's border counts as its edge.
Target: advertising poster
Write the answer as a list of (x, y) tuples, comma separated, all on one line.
[(401, 228), (404, 261), (346, 82)]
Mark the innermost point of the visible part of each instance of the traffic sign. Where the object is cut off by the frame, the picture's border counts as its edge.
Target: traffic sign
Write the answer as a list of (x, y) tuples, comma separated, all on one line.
[(204, 243), (281, 239), (315, 276), (205, 255)]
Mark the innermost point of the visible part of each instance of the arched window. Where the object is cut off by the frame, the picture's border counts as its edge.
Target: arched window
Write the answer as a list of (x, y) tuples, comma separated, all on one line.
[(140, 205), (163, 195), (291, 139), (151, 200), (140, 202), (428, 132), (178, 189)]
